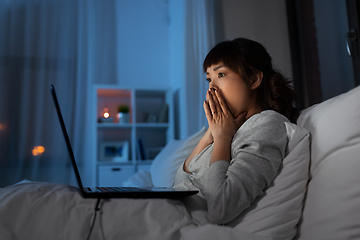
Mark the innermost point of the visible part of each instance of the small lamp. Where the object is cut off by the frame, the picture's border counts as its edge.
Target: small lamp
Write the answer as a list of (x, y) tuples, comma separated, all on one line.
[(106, 117)]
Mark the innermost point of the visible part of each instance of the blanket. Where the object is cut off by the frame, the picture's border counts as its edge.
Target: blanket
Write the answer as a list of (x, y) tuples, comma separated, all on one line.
[(52, 211), (35, 210)]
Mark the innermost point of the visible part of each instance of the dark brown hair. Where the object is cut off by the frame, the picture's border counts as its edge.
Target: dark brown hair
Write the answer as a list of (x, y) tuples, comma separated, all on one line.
[(247, 57)]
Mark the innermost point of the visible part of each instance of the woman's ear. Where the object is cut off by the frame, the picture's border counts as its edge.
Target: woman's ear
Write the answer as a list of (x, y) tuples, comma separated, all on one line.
[(257, 80)]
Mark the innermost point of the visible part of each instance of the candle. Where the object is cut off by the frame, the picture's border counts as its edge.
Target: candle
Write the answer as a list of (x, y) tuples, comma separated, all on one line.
[(106, 113), (106, 117)]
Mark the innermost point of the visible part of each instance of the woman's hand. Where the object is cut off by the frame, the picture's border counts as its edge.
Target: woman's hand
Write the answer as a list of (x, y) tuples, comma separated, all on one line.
[(222, 128), (222, 125), (221, 121)]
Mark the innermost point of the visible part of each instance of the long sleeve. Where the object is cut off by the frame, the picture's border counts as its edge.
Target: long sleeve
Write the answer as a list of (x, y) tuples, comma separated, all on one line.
[(258, 149), (181, 175)]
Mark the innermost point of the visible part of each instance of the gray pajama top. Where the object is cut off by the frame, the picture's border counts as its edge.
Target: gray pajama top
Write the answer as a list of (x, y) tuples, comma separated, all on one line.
[(227, 189)]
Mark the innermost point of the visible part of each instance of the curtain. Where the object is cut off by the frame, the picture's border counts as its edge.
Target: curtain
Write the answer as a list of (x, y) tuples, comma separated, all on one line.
[(44, 42), (200, 38), (73, 45)]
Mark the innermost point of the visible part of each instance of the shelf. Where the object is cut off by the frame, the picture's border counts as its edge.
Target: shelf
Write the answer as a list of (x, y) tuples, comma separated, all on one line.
[(144, 162), (112, 163), (114, 125), (150, 128), (130, 125), (152, 125)]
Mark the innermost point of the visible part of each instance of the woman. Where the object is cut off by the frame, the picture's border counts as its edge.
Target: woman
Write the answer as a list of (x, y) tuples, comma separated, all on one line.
[(240, 154)]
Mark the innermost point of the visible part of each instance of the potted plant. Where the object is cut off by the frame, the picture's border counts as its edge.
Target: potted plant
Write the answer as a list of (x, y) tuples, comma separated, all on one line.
[(123, 115)]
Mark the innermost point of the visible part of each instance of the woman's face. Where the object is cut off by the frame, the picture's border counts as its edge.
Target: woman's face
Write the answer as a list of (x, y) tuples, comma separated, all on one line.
[(239, 95)]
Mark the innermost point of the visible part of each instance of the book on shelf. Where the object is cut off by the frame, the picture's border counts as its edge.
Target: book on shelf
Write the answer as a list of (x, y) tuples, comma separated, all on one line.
[(141, 150), (163, 114)]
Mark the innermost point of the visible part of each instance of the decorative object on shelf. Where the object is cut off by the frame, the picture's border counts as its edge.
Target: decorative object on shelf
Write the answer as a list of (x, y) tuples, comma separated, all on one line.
[(106, 117), (123, 115), (163, 115), (150, 117), (114, 151), (106, 113)]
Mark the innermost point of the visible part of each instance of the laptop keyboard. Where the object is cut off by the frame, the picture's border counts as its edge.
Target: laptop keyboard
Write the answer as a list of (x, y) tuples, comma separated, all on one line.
[(122, 189)]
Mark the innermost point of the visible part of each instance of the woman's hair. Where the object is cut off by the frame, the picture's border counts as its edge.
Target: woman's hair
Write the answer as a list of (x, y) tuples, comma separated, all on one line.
[(247, 58)]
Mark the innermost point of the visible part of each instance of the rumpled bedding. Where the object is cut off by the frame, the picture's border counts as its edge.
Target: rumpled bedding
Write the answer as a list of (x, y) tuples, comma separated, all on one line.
[(34, 210)]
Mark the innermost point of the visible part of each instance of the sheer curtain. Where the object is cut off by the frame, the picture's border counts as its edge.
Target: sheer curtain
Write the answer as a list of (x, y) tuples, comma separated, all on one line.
[(73, 44), (199, 39), (44, 42)]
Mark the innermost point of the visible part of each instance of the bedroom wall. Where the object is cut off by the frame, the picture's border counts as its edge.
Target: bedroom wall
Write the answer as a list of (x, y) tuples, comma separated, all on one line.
[(132, 43), (176, 59), (142, 43), (262, 21)]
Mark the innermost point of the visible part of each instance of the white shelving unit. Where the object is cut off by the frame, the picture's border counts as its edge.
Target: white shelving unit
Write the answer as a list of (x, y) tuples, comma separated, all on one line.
[(151, 122)]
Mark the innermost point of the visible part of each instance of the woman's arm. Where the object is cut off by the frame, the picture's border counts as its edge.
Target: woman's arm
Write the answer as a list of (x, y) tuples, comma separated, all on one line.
[(204, 142), (257, 152)]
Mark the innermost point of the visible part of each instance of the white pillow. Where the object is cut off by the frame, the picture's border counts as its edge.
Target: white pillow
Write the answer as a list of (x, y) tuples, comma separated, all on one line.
[(166, 163), (277, 213), (332, 206), (140, 179)]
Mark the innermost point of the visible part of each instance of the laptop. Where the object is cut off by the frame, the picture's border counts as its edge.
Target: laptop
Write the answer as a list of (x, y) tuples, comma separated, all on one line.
[(114, 192)]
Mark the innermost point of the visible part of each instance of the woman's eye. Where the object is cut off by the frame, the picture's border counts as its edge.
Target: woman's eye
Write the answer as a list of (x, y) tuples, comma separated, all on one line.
[(221, 75), (208, 79)]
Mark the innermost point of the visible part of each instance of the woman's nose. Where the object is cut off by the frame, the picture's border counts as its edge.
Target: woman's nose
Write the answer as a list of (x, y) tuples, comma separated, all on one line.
[(212, 88), (212, 85)]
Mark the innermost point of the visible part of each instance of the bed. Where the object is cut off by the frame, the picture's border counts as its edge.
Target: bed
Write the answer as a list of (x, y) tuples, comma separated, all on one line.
[(306, 200)]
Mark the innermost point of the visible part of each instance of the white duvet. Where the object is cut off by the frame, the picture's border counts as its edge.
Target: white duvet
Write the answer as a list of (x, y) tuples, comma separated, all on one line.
[(34, 210)]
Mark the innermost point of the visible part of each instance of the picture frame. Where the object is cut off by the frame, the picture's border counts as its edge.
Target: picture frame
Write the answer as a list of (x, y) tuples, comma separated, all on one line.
[(114, 151)]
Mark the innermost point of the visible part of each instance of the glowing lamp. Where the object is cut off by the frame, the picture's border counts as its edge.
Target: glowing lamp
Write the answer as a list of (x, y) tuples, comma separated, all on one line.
[(38, 150), (106, 113), (106, 117)]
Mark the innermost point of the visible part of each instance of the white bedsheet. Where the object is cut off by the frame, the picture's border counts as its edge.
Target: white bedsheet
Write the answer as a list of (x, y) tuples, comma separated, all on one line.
[(33, 210)]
